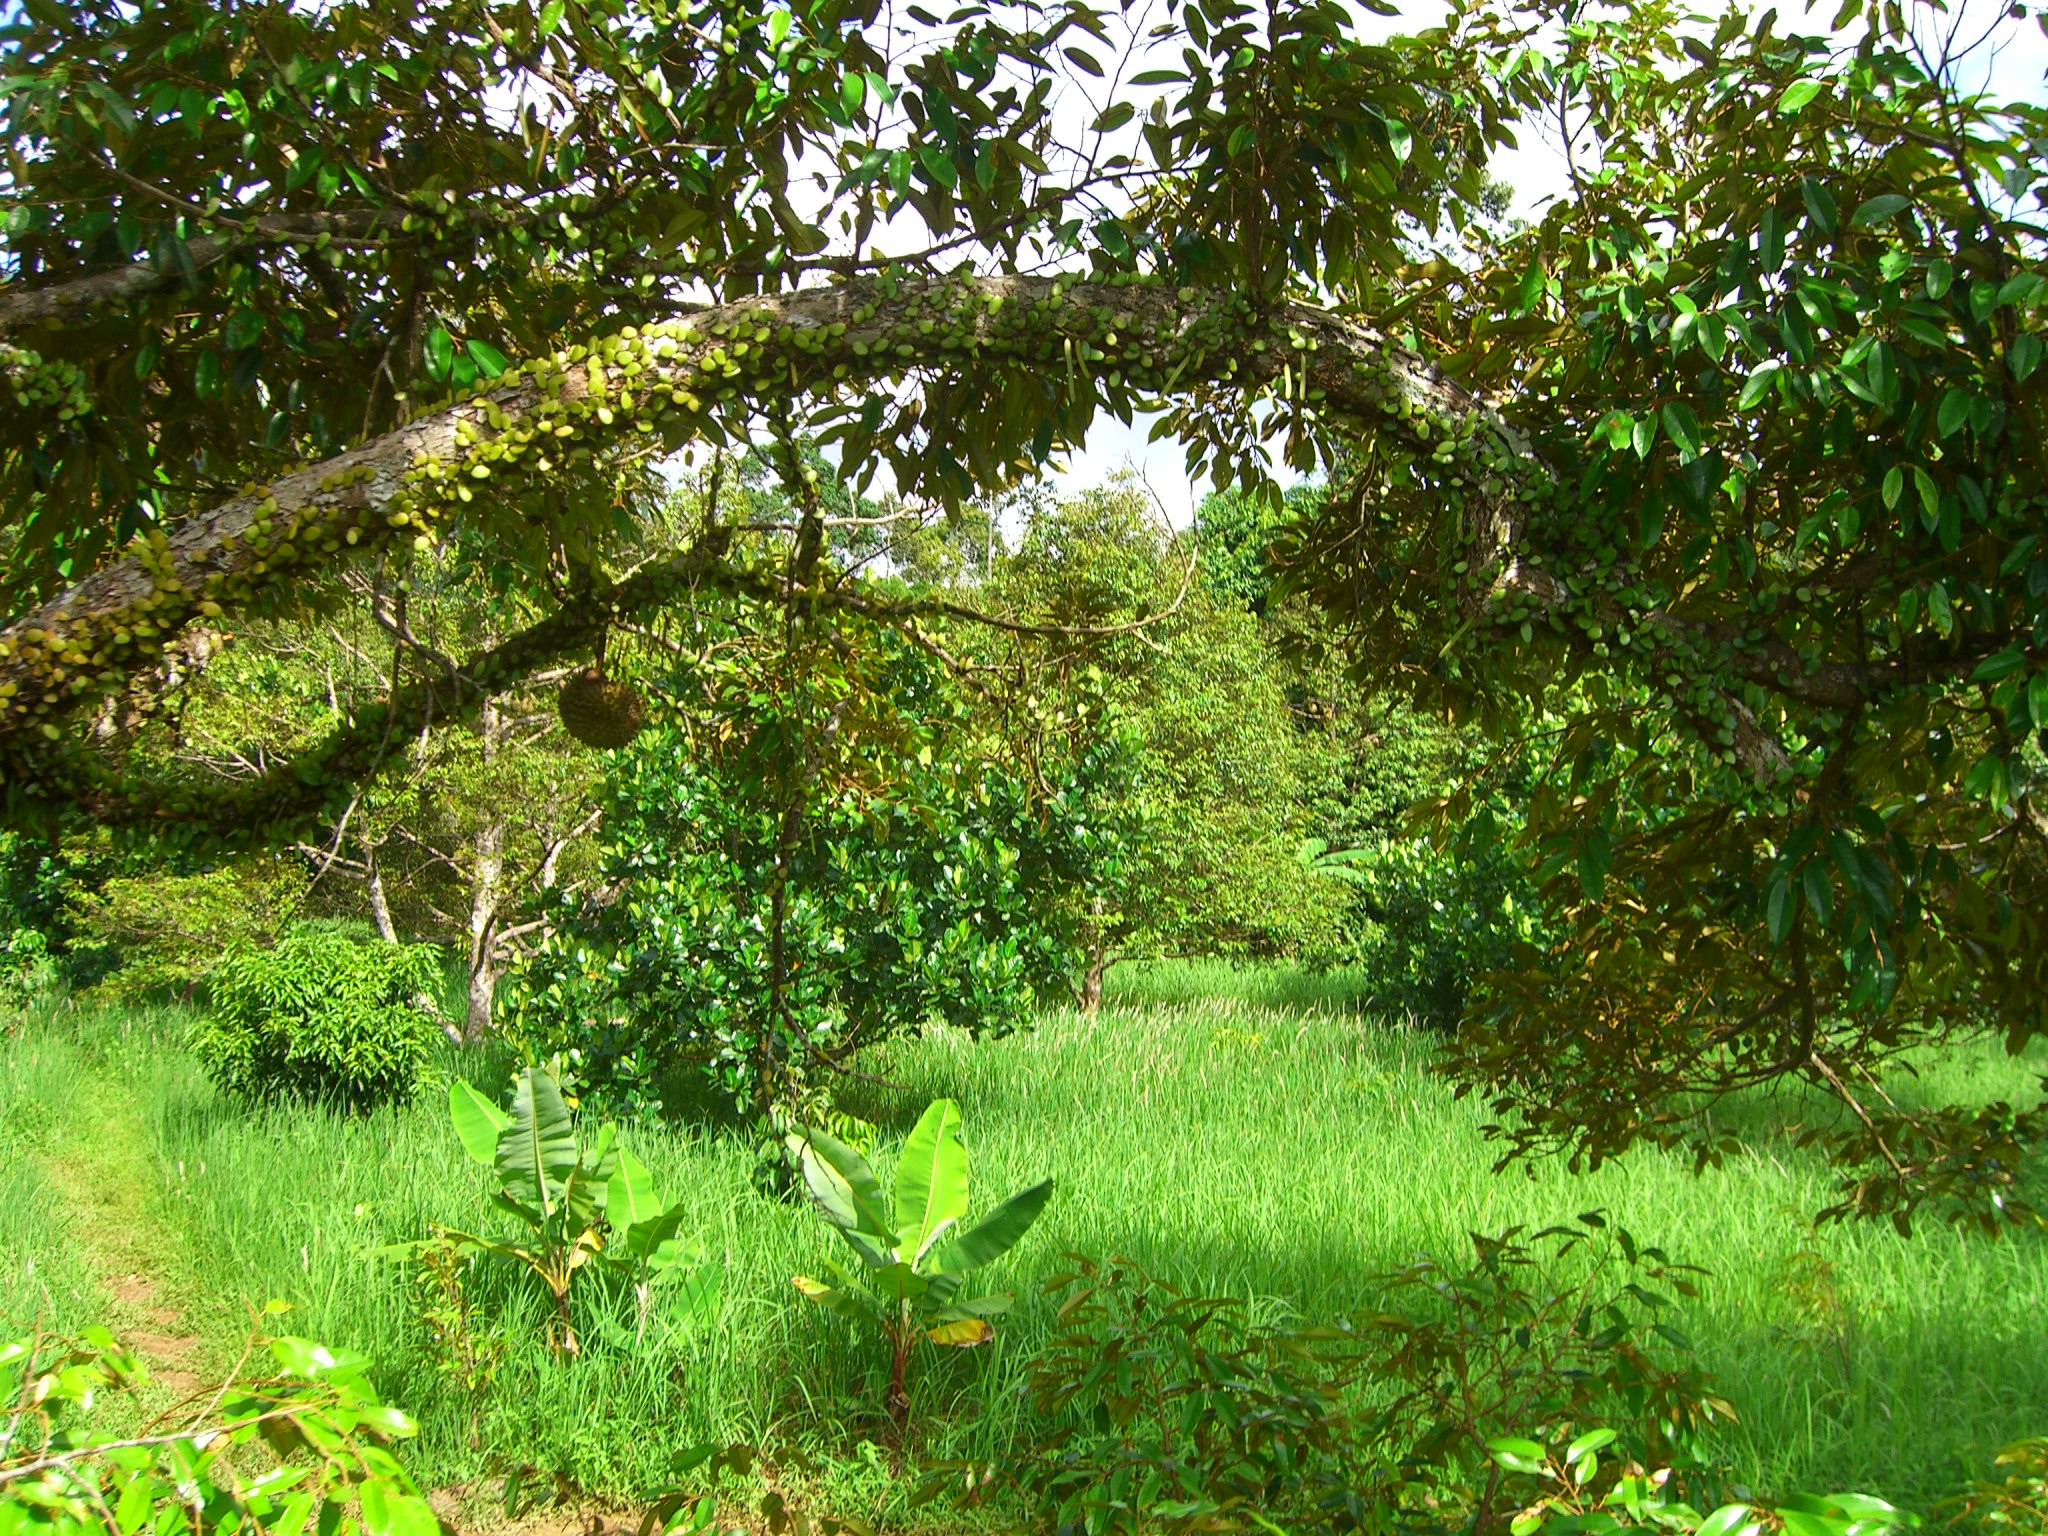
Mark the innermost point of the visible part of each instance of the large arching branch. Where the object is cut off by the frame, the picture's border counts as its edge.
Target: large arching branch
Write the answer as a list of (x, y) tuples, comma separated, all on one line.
[(1156, 340)]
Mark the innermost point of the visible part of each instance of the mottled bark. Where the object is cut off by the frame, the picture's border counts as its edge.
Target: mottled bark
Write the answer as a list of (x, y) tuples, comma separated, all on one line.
[(486, 889)]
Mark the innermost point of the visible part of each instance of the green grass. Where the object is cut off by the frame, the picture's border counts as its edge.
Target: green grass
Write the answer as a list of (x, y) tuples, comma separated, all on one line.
[(42, 1278), (1267, 1143), (1187, 983)]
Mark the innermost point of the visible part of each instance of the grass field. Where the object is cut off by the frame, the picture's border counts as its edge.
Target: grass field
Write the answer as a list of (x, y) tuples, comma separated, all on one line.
[(1239, 1133)]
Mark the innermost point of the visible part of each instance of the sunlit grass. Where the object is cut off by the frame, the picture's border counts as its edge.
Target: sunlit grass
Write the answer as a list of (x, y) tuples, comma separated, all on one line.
[(42, 1281), (1281, 1149)]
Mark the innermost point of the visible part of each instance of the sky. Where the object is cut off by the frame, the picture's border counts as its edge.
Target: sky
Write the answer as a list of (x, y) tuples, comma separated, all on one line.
[(2012, 67)]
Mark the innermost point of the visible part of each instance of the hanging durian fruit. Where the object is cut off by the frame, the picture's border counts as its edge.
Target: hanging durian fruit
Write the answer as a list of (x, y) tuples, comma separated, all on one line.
[(599, 711)]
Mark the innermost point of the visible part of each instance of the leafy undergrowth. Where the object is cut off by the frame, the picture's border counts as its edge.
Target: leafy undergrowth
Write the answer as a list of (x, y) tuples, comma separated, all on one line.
[(1279, 1153)]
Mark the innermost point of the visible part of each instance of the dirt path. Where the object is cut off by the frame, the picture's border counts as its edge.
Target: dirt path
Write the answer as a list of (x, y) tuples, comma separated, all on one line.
[(101, 1167)]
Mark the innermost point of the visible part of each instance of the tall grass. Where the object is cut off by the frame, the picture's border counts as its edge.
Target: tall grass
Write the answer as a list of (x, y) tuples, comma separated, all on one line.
[(1281, 1150), (43, 1279)]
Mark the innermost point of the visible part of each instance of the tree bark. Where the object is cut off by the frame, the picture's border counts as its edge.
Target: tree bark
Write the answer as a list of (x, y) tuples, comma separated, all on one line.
[(295, 796), (57, 301), (380, 906), (1098, 959), (1091, 980), (486, 882), (483, 991)]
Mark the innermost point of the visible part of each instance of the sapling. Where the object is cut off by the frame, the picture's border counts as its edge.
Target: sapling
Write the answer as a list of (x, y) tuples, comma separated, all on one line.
[(581, 1204), (913, 1255)]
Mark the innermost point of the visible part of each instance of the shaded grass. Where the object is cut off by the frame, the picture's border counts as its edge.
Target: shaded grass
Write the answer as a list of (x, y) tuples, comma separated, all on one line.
[(1262, 984), (1280, 1149)]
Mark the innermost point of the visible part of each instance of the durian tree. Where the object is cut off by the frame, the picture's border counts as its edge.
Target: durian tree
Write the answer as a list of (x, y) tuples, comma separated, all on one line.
[(1125, 637), (1733, 459)]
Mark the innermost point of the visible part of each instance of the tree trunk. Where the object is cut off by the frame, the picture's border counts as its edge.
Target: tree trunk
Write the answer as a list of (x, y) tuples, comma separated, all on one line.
[(486, 880), (1098, 959), (483, 991), (380, 905), (1091, 980)]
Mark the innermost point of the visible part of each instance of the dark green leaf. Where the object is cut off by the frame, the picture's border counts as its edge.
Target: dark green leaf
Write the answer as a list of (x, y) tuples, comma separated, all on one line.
[(1876, 210), (1682, 427), (438, 353), (1820, 204)]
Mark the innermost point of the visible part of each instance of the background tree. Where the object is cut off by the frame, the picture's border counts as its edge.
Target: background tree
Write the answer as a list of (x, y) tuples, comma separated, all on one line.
[(807, 854), (1212, 793), (1420, 919)]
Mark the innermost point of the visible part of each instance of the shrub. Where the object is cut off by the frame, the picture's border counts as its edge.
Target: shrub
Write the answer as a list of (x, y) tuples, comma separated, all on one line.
[(1421, 830), (1554, 1333), (1570, 1490), (66, 1471), (2018, 1504), (1156, 1411), (320, 1016), (161, 932), (39, 943), (26, 966), (1428, 922)]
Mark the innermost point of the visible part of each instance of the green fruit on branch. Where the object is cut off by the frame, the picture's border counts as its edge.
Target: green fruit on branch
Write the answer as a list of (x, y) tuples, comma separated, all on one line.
[(600, 712)]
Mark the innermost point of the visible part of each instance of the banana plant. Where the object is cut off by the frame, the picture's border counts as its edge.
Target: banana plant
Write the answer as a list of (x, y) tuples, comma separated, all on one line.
[(645, 1244), (580, 1203), (913, 1253)]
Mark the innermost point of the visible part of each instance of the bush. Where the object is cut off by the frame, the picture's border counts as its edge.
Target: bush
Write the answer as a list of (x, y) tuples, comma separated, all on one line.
[(320, 1016), (39, 945), (160, 933), (2017, 1505), (65, 1470), (26, 966), (1157, 1411), (1435, 900), (1427, 923)]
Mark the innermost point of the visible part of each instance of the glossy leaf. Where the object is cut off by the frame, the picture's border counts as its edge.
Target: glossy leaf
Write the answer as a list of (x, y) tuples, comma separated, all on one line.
[(995, 1234), (630, 1197), (536, 1152), (931, 1179), (845, 1190), (478, 1122)]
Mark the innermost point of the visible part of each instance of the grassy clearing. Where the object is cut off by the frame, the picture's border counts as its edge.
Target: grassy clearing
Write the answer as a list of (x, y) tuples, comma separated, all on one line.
[(1279, 1150)]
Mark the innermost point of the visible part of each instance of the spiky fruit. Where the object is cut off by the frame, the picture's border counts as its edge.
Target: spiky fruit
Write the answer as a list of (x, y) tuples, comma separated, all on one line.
[(600, 712)]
